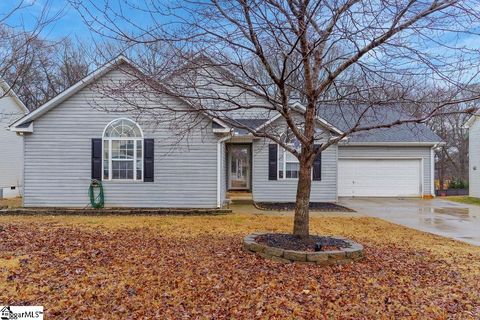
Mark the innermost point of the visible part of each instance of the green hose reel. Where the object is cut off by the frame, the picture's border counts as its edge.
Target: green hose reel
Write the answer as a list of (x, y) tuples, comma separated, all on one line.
[(97, 201)]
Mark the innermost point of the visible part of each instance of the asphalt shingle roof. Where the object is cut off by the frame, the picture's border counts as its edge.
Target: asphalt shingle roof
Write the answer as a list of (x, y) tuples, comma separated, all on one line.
[(345, 118)]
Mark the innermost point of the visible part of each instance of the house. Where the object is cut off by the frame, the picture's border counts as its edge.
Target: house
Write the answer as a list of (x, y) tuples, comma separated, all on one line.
[(81, 134), (473, 126), (11, 144)]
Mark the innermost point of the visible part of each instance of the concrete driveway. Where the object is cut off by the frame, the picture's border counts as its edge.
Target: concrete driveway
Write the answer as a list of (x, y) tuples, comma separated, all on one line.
[(445, 218)]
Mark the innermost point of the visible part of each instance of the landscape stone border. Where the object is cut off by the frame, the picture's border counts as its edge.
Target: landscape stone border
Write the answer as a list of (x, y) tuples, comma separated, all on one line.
[(324, 258)]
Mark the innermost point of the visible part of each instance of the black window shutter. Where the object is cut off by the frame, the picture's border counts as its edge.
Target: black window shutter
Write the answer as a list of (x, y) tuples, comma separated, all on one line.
[(317, 165), (97, 159), (148, 161), (272, 161)]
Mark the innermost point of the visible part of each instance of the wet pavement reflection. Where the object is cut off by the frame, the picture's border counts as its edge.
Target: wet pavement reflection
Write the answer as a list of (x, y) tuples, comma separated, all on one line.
[(445, 218)]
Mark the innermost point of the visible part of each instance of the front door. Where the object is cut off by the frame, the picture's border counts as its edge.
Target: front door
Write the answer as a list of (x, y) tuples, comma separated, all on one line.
[(238, 167)]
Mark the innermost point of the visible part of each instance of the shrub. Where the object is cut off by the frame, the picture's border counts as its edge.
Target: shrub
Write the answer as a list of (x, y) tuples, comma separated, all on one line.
[(458, 184)]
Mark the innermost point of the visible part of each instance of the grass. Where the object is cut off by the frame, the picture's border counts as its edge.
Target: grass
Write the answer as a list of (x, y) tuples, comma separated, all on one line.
[(465, 199), (194, 267)]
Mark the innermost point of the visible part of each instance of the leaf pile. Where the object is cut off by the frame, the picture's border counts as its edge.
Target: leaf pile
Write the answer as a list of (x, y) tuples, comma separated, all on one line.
[(195, 267)]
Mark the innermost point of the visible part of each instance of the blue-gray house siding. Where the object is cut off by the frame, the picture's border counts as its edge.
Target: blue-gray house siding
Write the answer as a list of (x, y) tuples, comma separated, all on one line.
[(285, 190), (58, 159)]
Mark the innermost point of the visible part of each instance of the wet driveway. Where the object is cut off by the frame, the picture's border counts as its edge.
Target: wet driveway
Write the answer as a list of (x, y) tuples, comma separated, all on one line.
[(445, 218)]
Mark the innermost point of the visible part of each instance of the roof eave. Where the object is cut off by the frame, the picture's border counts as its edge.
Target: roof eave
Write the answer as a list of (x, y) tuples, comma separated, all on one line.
[(28, 129)]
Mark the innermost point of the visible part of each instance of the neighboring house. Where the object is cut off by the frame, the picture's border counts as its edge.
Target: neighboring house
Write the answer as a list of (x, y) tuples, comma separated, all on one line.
[(11, 144), (142, 163), (473, 126)]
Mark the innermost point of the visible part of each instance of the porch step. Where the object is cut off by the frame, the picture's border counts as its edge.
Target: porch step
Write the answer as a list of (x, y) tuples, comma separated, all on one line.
[(240, 197)]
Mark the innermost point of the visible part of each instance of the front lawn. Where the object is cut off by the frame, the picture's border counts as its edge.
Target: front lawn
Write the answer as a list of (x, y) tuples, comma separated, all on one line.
[(120, 267), (465, 199)]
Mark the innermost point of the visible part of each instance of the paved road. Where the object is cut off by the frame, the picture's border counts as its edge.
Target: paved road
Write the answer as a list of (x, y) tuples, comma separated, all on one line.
[(445, 218)]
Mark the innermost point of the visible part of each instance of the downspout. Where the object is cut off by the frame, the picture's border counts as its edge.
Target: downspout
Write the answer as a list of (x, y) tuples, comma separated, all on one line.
[(432, 169), (219, 168)]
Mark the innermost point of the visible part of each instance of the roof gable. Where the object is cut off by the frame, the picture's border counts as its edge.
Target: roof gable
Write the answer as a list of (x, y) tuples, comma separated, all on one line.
[(25, 123), (298, 107)]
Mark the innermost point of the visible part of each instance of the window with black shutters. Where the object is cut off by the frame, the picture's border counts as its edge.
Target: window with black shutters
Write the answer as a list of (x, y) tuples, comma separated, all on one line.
[(122, 151)]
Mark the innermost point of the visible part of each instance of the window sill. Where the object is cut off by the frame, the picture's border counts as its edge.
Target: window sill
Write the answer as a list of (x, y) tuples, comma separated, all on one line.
[(295, 179), (122, 181)]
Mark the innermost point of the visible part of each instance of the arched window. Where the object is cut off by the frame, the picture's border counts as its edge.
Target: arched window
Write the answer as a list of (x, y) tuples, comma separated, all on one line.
[(288, 164), (122, 151)]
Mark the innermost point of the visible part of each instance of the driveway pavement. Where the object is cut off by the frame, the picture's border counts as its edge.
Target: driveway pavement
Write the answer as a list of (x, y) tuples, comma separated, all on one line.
[(445, 218)]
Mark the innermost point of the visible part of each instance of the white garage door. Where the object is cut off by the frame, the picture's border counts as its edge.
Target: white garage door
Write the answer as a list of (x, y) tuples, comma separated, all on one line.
[(379, 178)]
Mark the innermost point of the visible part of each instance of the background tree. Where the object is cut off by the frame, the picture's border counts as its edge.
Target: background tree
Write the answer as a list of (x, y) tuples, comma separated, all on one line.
[(331, 55), (452, 156), (52, 67), (18, 41)]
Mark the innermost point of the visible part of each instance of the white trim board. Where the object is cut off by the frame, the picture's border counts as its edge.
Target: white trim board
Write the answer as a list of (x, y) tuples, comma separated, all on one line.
[(471, 120)]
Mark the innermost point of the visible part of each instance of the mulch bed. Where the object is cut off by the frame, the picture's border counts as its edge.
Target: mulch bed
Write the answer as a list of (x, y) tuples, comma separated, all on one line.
[(291, 242), (314, 206)]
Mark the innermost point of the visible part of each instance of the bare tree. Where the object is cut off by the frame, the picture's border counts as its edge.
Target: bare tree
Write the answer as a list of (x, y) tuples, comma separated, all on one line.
[(452, 156), (19, 39), (234, 59), (52, 67)]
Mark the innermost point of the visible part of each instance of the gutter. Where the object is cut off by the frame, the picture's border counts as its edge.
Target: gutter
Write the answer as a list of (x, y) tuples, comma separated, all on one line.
[(391, 144), (219, 167)]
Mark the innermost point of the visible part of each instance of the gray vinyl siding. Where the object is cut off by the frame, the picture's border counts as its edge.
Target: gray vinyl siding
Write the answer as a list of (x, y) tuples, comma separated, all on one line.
[(284, 190), (58, 159), (474, 159), (11, 145), (393, 152)]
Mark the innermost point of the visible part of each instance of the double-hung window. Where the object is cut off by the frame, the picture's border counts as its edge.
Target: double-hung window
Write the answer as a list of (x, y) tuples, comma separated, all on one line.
[(288, 164), (122, 151)]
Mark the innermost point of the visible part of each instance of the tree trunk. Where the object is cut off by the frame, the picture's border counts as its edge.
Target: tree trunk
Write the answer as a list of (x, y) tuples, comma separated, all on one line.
[(302, 210)]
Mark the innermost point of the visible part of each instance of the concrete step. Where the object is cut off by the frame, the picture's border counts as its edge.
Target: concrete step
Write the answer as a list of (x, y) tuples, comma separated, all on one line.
[(240, 197)]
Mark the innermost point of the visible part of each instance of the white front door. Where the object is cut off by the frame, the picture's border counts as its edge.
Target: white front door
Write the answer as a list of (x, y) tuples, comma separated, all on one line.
[(379, 178)]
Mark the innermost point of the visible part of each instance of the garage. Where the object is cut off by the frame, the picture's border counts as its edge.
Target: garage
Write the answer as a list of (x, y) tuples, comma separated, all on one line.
[(379, 177)]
